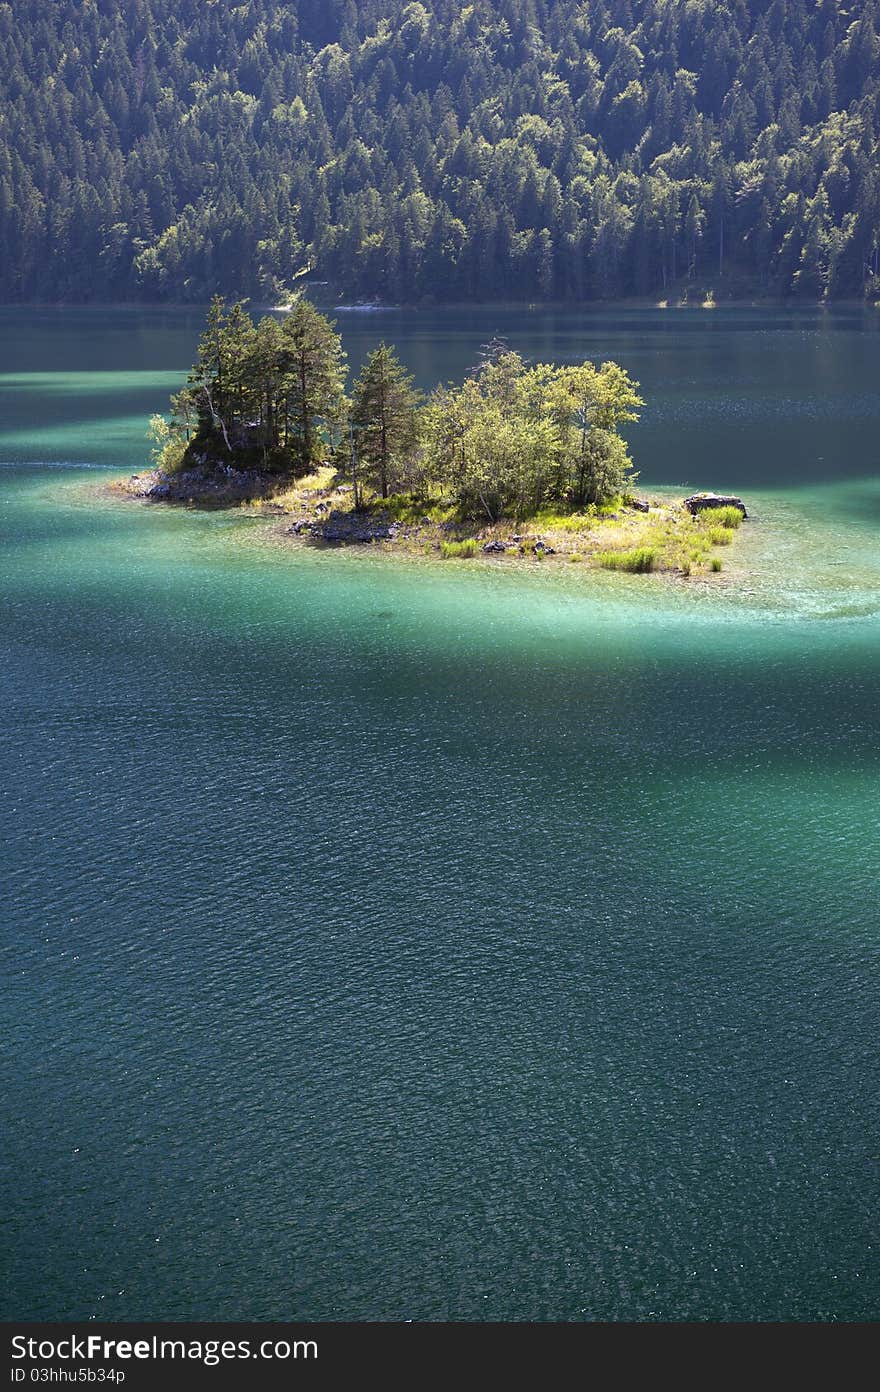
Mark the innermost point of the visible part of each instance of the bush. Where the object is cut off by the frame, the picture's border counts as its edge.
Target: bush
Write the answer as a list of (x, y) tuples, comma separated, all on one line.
[(715, 563), (720, 536), (451, 549), (638, 561)]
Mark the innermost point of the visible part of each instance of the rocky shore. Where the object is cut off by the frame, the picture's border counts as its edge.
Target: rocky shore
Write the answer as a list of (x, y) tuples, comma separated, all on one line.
[(218, 484), (639, 533)]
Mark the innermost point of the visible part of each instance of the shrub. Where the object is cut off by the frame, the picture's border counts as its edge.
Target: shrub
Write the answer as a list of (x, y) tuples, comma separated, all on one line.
[(715, 563), (450, 549), (720, 536), (169, 445), (638, 561)]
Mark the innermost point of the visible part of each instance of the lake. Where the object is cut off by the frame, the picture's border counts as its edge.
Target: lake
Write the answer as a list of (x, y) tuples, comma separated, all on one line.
[(444, 941)]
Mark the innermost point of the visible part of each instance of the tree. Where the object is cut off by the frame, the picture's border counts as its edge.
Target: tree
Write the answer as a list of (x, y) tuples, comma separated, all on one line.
[(216, 393), (499, 151), (588, 405), (313, 366), (512, 438), (383, 415)]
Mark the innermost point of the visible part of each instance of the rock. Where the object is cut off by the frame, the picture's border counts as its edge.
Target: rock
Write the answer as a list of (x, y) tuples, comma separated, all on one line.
[(641, 505), (496, 548), (698, 501)]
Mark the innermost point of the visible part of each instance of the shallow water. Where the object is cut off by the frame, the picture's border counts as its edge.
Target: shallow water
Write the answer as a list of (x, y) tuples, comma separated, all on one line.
[(442, 941)]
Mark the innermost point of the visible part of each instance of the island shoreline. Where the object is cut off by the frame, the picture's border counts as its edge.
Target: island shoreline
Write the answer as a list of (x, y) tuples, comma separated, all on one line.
[(648, 533)]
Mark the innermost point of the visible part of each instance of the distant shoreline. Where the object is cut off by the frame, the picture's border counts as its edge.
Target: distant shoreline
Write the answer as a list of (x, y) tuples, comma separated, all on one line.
[(538, 306)]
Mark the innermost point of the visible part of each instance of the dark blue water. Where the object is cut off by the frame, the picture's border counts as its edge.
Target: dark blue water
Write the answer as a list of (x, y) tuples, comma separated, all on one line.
[(388, 941)]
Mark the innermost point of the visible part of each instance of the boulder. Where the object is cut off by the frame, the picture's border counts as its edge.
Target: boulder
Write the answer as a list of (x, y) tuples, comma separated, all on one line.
[(698, 501), (495, 548), (641, 505)]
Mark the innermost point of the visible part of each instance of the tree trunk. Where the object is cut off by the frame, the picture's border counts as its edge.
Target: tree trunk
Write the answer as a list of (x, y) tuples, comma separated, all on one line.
[(305, 419), (383, 451)]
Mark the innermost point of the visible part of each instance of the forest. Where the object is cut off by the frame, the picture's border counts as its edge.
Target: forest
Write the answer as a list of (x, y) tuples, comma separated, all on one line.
[(530, 150), (511, 439)]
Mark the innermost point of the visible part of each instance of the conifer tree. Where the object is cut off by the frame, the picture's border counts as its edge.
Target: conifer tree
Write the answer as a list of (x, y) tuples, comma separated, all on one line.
[(520, 151), (314, 372), (383, 417)]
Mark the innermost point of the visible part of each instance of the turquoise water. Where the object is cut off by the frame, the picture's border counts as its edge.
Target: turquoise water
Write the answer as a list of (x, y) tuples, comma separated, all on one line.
[(422, 942)]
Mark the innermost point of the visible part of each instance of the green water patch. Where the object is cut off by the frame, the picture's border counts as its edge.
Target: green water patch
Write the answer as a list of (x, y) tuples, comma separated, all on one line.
[(337, 884), (83, 385), (214, 577), (95, 417)]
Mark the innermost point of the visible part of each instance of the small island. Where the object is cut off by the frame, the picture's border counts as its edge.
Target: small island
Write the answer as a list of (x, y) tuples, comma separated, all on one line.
[(518, 460)]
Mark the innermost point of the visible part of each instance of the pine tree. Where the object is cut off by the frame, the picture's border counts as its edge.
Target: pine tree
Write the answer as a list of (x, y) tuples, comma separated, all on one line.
[(314, 377), (383, 417)]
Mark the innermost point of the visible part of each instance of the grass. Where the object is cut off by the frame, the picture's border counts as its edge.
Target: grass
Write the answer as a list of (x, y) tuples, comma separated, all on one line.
[(453, 549), (728, 516), (638, 561), (553, 520), (411, 509), (613, 537)]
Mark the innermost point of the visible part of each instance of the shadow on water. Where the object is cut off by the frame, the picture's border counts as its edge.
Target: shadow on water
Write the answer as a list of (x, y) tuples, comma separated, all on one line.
[(497, 946)]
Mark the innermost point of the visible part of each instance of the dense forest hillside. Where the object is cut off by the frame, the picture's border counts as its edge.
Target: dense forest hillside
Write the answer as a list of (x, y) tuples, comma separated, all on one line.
[(520, 149)]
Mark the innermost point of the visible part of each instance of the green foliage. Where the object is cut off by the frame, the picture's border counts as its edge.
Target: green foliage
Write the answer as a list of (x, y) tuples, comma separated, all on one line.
[(267, 395), (413, 507), (720, 536), (512, 439), (638, 561), (508, 442), (307, 356), (530, 149), (384, 422), (715, 563), (458, 549), (169, 444)]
